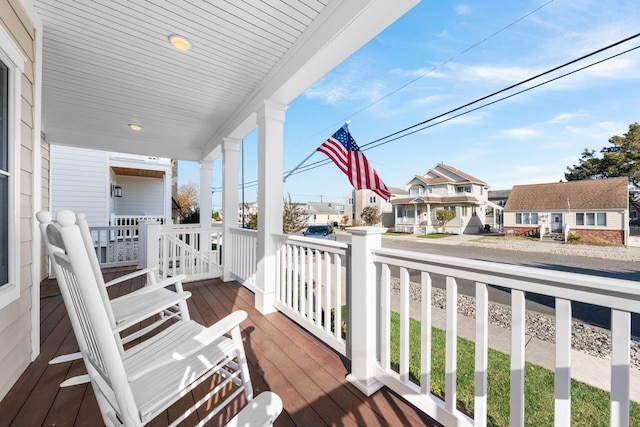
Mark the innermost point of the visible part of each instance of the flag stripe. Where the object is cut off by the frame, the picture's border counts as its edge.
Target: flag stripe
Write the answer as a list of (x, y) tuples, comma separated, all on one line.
[(342, 149)]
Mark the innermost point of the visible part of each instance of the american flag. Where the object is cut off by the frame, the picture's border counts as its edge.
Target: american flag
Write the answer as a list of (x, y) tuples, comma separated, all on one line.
[(345, 153)]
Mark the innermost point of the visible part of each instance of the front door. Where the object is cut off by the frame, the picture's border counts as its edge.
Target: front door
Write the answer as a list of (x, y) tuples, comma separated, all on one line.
[(556, 223)]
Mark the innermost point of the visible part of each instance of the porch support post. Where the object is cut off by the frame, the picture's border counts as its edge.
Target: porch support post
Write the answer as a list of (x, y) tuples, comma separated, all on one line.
[(270, 153), (230, 150), (206, 167), (429, 214), (365, 306), (149, 244)]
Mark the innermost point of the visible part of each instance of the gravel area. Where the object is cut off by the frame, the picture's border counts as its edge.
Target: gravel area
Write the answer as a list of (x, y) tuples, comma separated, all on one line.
[(586, 338), (619, 253)]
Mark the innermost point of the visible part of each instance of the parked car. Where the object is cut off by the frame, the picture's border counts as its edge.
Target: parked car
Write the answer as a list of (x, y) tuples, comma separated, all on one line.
[(320, 232)]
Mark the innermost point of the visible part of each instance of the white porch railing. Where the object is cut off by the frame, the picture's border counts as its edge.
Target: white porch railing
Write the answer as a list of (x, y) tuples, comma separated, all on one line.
[(623, 297), (189, 250), (311, 286), (244, 261), (131, 221), (112, 251), (303, 263)]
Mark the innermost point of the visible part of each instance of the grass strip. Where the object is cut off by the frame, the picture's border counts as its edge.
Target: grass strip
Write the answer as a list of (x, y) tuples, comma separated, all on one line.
[(589, 405)]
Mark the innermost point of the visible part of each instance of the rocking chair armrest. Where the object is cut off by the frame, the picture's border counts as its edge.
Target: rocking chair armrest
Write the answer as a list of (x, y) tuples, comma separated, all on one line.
[(196, 343), (150, 310), (177, 281), (129, 276)]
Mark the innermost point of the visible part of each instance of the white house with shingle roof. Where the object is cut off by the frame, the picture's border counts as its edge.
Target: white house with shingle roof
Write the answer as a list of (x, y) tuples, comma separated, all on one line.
[(592, 209), (442, 187)]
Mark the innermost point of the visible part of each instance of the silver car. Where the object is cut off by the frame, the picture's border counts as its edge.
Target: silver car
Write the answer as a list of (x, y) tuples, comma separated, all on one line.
[(320, 232)]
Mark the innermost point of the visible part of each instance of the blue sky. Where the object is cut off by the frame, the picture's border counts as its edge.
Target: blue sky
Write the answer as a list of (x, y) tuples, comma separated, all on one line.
[(442, 55)]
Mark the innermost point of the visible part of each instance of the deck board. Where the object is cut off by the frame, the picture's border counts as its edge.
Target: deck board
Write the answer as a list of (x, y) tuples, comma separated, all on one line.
[(308, 375)]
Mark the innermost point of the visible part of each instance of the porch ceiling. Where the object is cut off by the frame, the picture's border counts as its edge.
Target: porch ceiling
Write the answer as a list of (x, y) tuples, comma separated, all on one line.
[(108, 64)]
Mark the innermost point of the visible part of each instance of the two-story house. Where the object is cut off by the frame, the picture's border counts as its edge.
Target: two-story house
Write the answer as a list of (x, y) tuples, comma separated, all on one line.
[(356, 200), (112, 188), (442, 187)]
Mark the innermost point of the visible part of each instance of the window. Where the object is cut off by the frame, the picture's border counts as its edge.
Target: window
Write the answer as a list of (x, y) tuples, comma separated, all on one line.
[(463, 189), (465, 210), (11, 67), (591, 219), (415, 191), (372, 199), (350, 200), (527, 218)]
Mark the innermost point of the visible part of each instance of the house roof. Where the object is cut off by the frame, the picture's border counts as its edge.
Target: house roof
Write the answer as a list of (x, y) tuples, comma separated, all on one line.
[(323, 208), (443, 174), (108, 64), (432, 199), (611, 193)]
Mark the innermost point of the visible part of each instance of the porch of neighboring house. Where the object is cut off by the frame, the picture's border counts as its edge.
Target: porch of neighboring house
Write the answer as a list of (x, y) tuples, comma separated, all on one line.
[(308, 375)]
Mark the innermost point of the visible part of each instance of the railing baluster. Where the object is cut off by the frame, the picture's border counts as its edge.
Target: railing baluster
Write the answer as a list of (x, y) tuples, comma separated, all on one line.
[(482, 354), (318, 289), (451, 344), (303, 290), (295, 288), (563, 363), (517, 357), (327, 292), (620, 362), (288, 278), (338, 296), (425, 333), (310, 288), (404, 325), (385, 322)]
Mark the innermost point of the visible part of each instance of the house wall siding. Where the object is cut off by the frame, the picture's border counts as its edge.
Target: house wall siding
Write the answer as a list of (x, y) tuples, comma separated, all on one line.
[(79, 181), (141, 196), (15, 318)]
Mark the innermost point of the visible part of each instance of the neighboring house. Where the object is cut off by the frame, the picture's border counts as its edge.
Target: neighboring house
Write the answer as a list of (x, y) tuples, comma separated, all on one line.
[(111, 188), (592, 209), (323, 213), (245, 210), (443, 187), (356, 200)]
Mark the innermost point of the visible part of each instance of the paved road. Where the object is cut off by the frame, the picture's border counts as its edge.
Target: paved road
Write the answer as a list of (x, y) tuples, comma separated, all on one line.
[(585, 265)]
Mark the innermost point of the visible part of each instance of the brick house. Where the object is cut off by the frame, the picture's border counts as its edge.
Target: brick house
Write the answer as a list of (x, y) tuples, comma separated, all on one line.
[(591, 209)]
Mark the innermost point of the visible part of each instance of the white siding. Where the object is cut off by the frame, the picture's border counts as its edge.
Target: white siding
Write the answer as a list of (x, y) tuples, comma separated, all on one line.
[(80, 181), (140, 196)]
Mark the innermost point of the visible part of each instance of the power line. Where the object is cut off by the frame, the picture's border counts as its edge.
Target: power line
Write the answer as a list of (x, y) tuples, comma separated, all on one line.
[(431, 70), (405, 132), (382, 140)]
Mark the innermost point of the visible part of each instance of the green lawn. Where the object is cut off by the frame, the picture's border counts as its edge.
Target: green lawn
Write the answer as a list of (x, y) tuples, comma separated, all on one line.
[(589, 405), (434, 235)]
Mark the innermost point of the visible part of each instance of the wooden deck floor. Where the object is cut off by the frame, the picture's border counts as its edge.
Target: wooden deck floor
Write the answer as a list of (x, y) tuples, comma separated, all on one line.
[(308, 376)]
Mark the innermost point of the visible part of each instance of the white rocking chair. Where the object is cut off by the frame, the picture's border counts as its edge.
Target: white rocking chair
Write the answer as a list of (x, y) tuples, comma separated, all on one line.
[(134, 386), (153, 300)]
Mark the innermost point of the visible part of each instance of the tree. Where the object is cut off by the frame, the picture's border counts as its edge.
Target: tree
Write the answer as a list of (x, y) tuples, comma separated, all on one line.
[(370, 215), (620, 159), (294, 217), (443, 216), (187, 200)]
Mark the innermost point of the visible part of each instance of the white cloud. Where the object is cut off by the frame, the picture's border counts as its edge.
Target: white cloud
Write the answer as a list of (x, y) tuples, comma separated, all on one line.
[(520, 133), (566, 117), (462, 9)]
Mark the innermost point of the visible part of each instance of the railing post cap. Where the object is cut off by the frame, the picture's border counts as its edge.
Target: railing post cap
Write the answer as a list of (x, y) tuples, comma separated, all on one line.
[(366, 230)]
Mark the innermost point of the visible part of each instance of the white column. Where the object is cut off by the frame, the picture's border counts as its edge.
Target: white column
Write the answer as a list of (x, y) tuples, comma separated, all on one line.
[(270, 150), (365, 284), (168, 178), (230, 149), (429, 222), (206, 167)]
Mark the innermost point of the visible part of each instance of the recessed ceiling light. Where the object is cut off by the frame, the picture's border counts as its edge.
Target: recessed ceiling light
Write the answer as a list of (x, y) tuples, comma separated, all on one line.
[(179, 42), (135, 127)]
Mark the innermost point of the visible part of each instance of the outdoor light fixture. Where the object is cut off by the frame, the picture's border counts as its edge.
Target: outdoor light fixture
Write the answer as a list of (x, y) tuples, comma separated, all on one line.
[(179, 42), (135, 127), (116, 191)]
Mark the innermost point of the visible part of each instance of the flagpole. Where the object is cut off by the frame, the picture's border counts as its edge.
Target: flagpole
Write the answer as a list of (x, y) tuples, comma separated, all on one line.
[(304, 161)]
